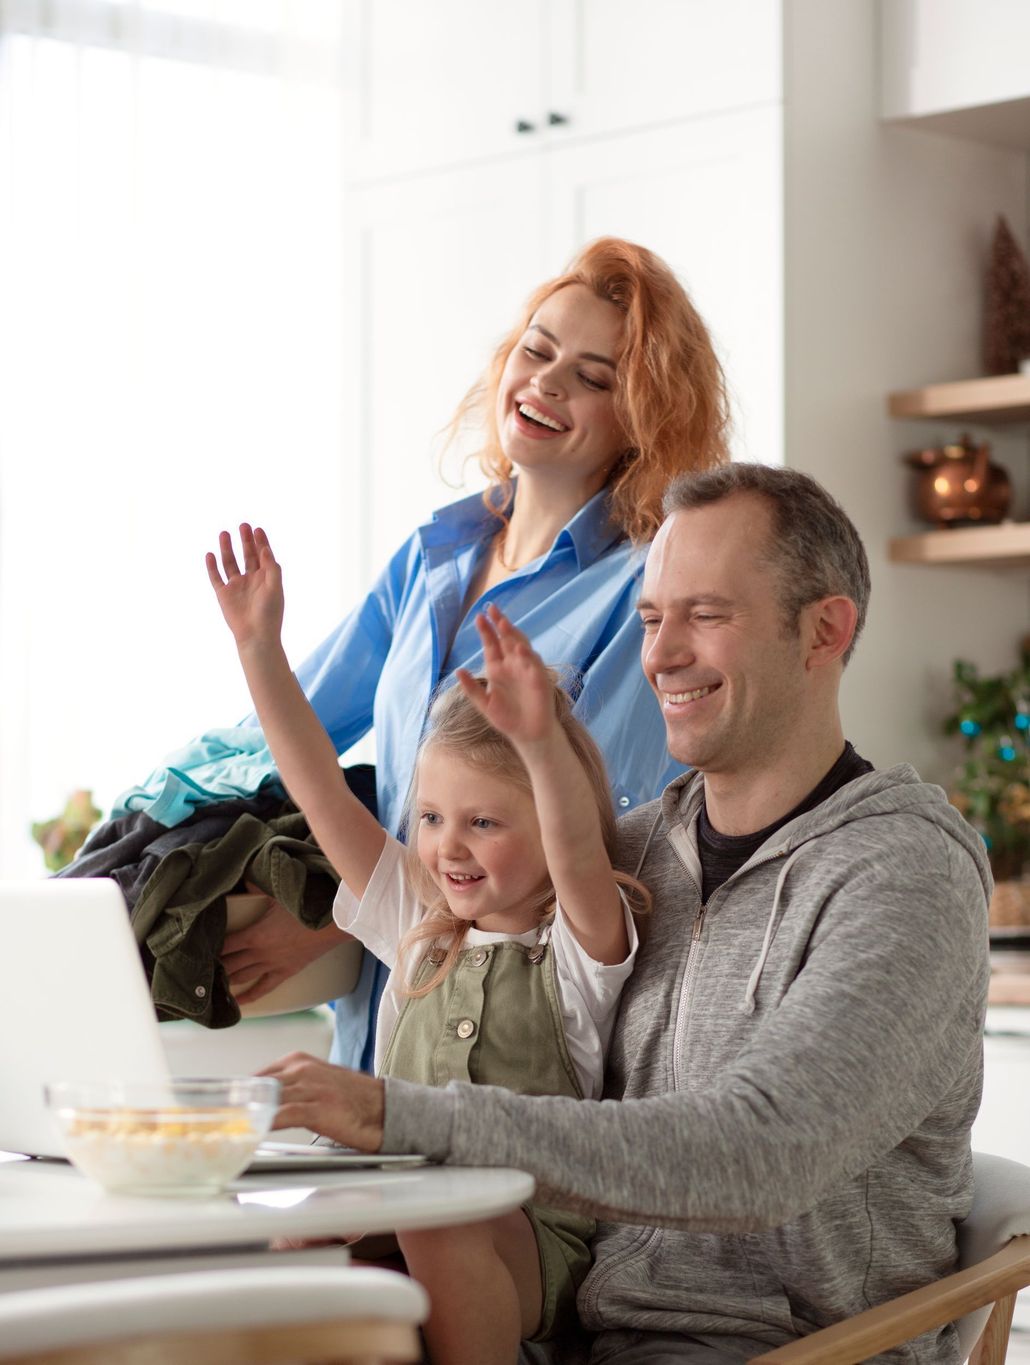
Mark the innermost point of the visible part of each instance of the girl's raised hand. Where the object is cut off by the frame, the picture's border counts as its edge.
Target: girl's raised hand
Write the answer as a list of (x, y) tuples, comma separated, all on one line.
[(251, 601), (518, 698)]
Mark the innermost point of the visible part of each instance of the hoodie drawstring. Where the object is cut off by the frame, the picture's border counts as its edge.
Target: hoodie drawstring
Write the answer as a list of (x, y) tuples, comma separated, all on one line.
[(771, 925), (770, 929)]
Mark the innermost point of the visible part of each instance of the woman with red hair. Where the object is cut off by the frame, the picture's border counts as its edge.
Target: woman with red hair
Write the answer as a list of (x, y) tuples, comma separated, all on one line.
[(605, 389)]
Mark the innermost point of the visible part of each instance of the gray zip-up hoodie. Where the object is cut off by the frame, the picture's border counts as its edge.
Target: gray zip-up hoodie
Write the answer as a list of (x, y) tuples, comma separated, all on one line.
[(794, 1072)]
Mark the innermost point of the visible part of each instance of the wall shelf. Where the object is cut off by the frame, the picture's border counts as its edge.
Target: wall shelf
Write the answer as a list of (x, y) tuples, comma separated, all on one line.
[(997, 399), (1000, 398), (1001, 546)]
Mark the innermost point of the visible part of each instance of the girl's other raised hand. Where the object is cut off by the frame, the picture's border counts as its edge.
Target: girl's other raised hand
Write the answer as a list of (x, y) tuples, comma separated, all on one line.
[(518, 698), (251, 600)]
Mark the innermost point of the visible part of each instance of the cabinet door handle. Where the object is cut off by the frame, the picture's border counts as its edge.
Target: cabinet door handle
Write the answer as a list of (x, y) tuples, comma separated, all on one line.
[(524, 126), (556, 120)]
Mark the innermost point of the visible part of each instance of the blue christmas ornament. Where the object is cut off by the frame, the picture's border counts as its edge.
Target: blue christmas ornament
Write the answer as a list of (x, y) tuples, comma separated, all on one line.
[(969, 727), (1023, 721), (1006, 752), (987, 841)]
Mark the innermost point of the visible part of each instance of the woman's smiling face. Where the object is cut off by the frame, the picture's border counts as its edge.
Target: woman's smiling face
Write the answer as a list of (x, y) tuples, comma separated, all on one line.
[(556, 399)]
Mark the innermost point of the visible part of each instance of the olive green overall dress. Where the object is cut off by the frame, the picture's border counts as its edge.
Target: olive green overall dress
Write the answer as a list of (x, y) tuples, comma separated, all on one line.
[(495, 1019)]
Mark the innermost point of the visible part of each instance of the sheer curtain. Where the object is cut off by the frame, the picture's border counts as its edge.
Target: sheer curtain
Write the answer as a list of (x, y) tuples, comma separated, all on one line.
[(170, 353)]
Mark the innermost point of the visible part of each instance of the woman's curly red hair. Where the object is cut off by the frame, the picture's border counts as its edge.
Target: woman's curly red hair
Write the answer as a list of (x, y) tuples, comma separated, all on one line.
[(670, 394)]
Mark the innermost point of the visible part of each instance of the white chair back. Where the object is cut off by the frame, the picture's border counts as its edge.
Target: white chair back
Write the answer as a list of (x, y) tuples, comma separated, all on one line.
[(108, 1312), (1001, 1211)]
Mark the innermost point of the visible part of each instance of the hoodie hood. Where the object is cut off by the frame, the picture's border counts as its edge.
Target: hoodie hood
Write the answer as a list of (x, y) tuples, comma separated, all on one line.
[(890, 791)]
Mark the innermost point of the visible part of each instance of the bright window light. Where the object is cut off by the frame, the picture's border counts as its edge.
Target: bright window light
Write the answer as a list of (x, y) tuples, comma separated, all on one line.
[(171, 350)]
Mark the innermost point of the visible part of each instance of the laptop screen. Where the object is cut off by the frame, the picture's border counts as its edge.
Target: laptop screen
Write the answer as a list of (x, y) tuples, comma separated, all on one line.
[(74, 1001)]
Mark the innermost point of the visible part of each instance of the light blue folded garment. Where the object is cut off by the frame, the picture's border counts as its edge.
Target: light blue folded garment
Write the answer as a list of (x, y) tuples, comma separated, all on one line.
[(215, 766)]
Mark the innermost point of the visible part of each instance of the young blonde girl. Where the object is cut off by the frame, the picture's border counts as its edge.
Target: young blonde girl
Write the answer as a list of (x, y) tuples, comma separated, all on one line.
[(506, 929)]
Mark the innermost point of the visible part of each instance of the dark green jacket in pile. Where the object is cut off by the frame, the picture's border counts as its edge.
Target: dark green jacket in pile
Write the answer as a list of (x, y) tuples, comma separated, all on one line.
[(179, 917)]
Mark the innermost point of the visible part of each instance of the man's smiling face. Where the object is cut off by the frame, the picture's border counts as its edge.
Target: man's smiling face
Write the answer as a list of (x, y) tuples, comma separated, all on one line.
[(728, 672)]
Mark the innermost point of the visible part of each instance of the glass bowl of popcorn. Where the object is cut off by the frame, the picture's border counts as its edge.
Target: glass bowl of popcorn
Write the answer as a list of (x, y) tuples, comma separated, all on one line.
[(174, 1137)]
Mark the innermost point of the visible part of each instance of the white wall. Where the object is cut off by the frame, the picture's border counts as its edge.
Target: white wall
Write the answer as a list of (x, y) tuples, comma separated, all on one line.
[(887, 231)]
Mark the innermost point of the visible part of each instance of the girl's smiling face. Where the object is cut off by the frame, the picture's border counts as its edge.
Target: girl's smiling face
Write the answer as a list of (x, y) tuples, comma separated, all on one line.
[(479, 839), (556, 398)]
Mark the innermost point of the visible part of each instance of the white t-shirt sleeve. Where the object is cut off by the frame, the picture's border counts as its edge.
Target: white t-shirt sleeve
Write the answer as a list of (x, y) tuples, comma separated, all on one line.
[(387, 910), (588, 993)]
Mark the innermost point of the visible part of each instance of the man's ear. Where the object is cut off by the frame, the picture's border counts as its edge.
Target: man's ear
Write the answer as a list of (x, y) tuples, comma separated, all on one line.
[(829, 627)]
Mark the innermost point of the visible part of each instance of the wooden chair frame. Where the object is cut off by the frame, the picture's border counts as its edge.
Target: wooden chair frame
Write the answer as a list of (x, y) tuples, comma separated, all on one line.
[(348, 1341)]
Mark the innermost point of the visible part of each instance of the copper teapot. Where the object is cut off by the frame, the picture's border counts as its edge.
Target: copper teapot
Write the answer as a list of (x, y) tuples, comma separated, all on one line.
[(959, 483)]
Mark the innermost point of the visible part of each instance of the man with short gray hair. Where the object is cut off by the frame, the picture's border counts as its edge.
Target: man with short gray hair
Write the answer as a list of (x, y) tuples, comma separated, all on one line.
[(814, 547), (797, 1060)]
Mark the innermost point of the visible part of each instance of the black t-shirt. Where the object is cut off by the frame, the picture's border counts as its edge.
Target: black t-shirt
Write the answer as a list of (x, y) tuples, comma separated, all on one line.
[(723, 854)]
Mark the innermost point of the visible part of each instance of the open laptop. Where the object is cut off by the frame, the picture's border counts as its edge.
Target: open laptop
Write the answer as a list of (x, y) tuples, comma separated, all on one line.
[(75, 1006)]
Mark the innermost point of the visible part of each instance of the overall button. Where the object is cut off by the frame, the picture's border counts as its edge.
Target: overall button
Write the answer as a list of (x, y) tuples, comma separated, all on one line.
[(624, 801), (478, 957), (200, 992), (466, 1028)]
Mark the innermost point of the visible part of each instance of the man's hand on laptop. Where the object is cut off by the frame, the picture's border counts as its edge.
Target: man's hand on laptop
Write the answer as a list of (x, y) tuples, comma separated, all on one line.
[(346, 1106)]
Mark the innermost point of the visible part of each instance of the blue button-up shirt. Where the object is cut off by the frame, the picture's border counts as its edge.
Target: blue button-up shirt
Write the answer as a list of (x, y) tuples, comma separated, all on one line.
[(380, 667)]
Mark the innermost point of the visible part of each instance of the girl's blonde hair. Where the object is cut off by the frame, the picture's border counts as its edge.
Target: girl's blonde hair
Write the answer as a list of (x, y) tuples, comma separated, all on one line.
[(457, 725), (670, 393)]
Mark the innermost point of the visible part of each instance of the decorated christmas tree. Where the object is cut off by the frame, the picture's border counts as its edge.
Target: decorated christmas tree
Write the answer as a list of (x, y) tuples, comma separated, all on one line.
[(992, 785)]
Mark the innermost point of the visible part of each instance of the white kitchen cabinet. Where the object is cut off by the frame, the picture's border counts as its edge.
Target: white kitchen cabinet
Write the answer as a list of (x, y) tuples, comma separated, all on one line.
[(615, 66), (435, 84), (442, 84), (960, 67), (1003, 1123)]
